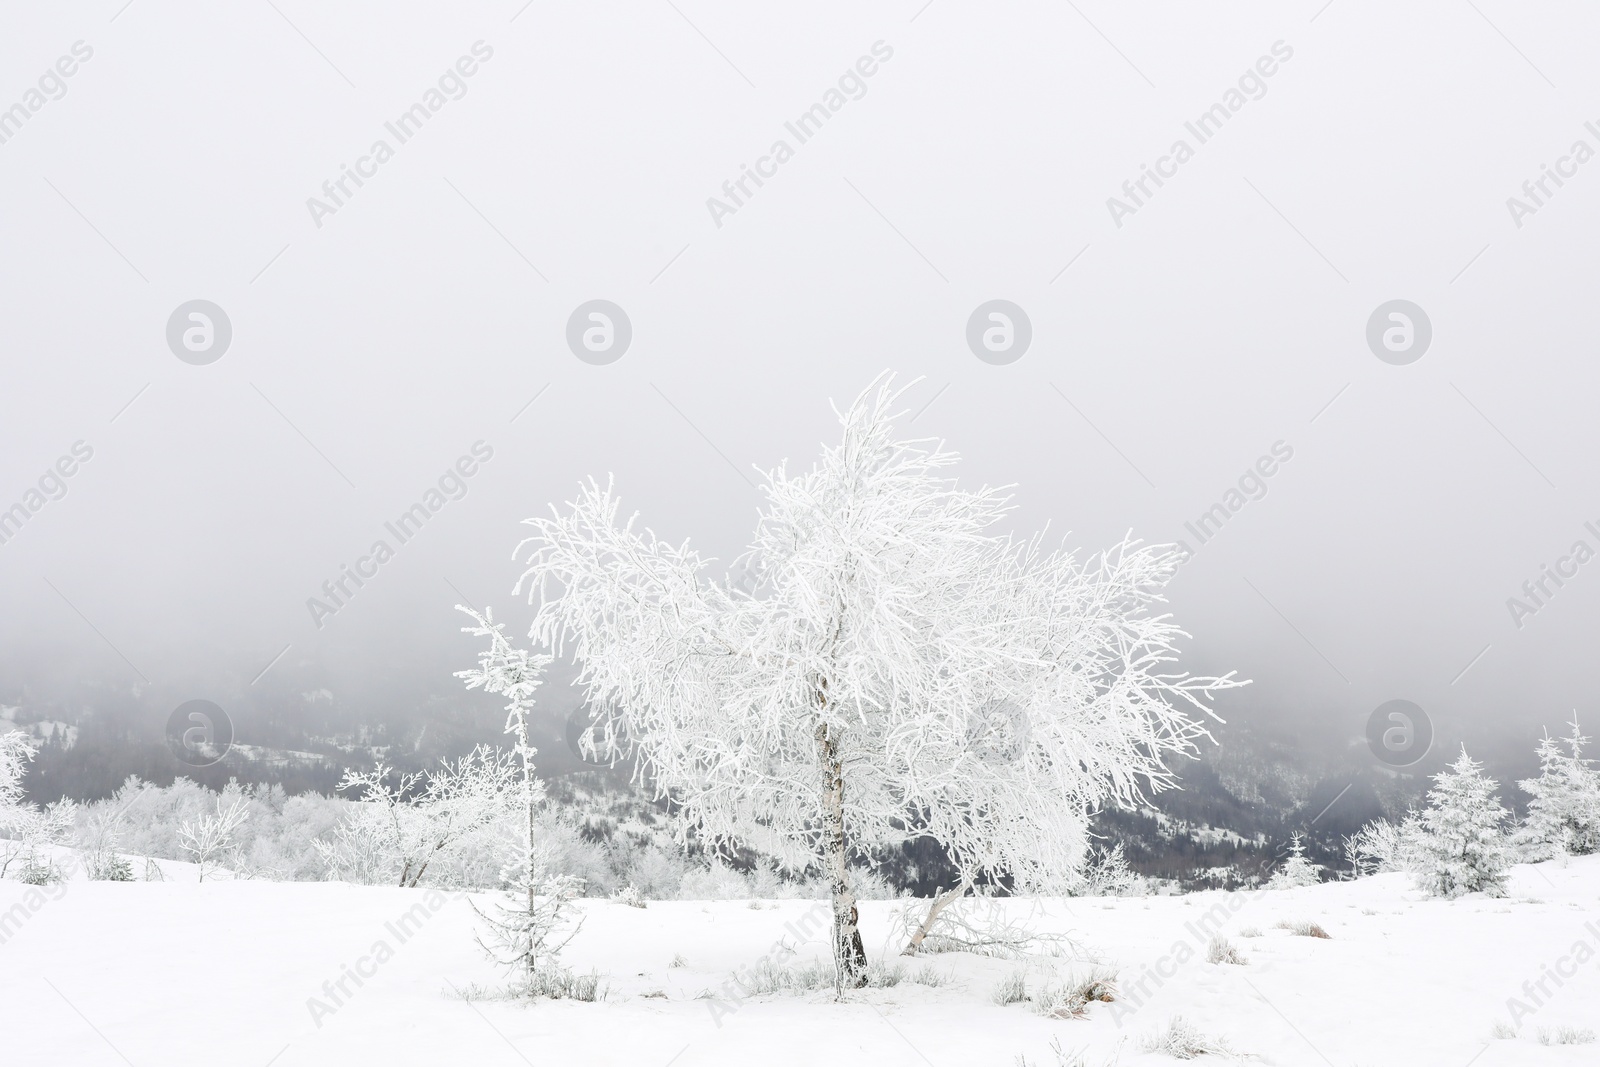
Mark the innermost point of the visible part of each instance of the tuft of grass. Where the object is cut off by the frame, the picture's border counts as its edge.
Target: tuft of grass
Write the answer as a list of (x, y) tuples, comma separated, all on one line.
[(1076, 1057), (928, 976), (1302, 928), (1013, 989), (881, 976), (1180, 1040), (1250, 931), (564, 985), (769, 977), (1071, 999), (1502, 1031), (678, 960), (1221, 950), (1565, 1035), (555, 983)]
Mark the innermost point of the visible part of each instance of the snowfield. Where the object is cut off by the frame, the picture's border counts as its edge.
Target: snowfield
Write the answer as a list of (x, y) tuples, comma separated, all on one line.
[(247, 973)]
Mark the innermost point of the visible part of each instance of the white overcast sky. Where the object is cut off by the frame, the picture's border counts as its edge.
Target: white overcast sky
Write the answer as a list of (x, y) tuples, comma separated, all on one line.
[(372, 351)]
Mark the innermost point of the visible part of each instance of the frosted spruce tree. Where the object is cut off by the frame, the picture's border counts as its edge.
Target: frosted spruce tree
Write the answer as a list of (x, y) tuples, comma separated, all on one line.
[(527, 931), (897, 669), (1459, 845), (1564, 814), (1297, 870)]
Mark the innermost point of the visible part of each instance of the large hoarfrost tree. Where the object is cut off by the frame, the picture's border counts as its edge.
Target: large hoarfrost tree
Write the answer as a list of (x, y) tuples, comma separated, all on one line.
[(900, 669)]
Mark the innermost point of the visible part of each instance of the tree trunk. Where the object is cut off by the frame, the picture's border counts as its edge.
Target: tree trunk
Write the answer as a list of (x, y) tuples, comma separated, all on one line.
[(849, 957)]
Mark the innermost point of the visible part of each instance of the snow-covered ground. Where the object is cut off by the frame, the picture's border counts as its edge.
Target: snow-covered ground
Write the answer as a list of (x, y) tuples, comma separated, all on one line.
[(233, 972)]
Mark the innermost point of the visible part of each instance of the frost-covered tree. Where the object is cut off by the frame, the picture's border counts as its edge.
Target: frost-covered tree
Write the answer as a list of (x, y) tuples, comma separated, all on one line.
[(1383, 847), (208, 839), (16, 750), (405, 822), (1297, 870), (527, 930), (899, 668), (31, 832), (1460, 845), (1564, 814)]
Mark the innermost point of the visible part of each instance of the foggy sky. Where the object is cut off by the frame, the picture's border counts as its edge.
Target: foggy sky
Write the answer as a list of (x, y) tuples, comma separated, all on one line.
[(374, 346)]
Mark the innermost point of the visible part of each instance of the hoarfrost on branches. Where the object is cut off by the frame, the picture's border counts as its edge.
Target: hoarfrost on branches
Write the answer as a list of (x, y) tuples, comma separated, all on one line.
[(404, 822), (897, 669), (528, 928), (209, 838)]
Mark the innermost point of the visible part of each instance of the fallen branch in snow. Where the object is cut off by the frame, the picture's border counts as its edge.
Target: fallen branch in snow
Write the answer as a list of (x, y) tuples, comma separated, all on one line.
[(940, 902), (978, 925)]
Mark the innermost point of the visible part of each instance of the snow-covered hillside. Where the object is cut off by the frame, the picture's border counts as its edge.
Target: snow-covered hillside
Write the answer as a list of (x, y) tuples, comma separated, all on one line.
[(248, 972)]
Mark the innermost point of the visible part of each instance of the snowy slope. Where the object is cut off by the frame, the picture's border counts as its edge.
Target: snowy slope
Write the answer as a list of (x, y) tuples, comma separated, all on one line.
[(180, 973)]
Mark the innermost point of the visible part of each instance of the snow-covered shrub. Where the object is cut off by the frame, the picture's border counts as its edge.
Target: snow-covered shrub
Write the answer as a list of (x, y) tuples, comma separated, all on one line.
[(276, 840), (1460, 846), (1564, 814), (1182, 1041), (98, 839), (1106, 873), (209, 839), (1296, 871), (650, 869), (28, 829), (629, 897), (405, 823), (35, 833), (1070, 999)]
